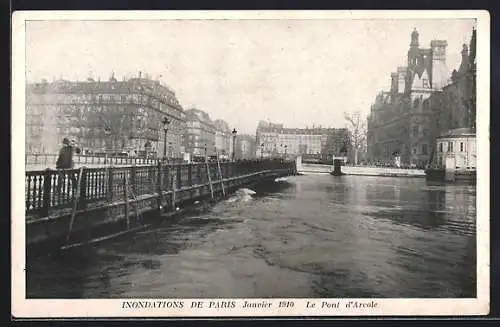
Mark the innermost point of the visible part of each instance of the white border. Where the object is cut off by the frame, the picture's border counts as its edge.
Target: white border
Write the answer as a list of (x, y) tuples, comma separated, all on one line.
[(22, 308)]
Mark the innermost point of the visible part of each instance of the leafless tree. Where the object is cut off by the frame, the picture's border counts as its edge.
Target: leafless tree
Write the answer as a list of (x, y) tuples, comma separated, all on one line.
[(356, 124)]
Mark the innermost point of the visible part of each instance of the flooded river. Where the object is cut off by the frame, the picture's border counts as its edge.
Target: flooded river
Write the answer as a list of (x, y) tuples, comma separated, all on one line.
[(311, 236)]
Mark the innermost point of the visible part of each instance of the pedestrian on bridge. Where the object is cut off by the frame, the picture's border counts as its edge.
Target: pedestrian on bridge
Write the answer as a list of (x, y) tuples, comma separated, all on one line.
[(65, 161)]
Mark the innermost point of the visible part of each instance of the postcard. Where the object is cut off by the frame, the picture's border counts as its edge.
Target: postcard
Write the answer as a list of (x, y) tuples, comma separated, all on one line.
[(250, 163)]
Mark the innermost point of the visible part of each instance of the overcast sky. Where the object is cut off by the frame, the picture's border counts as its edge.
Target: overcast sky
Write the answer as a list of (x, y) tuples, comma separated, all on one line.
[(295, 72)]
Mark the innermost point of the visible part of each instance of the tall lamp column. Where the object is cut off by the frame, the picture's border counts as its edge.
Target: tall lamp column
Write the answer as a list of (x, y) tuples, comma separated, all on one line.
[(107, 132), (234, 132), (165, 122)]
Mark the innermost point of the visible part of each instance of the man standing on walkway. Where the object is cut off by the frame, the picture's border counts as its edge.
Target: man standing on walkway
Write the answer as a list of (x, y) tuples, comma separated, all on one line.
[(65, 161)]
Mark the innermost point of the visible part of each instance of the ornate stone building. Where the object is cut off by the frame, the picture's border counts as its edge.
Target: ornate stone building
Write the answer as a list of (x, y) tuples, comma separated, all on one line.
[(402, 122), (455, 106), (104, 117)]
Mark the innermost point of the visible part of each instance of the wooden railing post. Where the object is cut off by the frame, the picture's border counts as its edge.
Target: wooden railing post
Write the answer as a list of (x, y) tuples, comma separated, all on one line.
[(198, 173), (133, 171), (190, 177), (179, 177), (159, 183), (82, 201), (110, 184), (46, 192)]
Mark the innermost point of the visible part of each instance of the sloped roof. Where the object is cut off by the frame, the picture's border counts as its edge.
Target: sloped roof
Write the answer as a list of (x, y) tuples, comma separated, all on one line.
[(194, 114), (222, 125), (458, 132)]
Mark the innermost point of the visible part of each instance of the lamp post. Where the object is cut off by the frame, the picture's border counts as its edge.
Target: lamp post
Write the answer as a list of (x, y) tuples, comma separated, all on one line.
[(261, 151), (165, 122), (107, 132), (206, 152), (234, 132)]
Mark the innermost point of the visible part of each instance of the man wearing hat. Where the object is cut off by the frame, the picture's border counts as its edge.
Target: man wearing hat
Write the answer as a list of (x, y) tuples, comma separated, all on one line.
[(65, 161)]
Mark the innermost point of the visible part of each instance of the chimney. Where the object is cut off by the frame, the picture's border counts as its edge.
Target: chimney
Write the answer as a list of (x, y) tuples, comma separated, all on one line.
[(401, 79), (465, 53), (440, 72), (438, 48), (394, 83)]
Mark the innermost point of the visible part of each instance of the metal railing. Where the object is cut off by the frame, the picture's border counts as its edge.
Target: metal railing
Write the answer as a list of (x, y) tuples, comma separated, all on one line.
[(81, 159), (48, 189)]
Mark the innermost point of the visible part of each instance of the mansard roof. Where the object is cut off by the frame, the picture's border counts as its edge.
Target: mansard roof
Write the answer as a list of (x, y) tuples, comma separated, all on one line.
[(195, 114), (90, 86), (222, 125)]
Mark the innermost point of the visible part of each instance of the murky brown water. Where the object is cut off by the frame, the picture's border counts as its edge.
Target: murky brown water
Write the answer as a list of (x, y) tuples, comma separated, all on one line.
[(314, 236)]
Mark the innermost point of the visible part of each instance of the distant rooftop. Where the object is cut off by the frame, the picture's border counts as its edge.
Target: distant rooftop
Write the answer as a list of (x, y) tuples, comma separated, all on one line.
[(302, 131), (458, 132), (113, 86)]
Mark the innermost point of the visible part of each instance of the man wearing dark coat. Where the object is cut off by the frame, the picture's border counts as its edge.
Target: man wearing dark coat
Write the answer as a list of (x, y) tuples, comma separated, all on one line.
[(65, 158), (65, 161)]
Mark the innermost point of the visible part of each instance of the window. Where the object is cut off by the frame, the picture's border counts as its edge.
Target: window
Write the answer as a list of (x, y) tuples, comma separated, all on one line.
[(425, 82), (100, 98), (461, 146), (424, 148), (415, 131), (450, 146), (440, 147)]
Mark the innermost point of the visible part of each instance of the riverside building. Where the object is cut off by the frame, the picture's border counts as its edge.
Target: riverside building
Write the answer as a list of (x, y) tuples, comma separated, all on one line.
[(110, 117)]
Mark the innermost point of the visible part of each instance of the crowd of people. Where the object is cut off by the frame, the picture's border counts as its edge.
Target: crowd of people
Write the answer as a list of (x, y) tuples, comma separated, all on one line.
[(386, 164)]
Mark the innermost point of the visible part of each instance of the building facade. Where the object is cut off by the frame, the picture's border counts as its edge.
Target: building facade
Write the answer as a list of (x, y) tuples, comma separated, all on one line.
[(200, 136), (456, 149), (223, 142), (245, 147), (274, 140), (455, 106), (104, 117), (402, 122)]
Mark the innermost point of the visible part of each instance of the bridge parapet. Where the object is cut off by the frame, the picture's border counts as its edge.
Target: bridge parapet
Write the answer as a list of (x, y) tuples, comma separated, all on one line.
[(50, 190)]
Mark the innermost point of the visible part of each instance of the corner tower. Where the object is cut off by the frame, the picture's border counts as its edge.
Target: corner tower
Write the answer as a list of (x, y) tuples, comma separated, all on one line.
[(440, 73), (413, 53)]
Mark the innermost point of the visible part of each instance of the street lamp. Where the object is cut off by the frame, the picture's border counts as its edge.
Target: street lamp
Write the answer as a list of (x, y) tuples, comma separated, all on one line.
[(206, 153), (165, 122), (234, 132), (107, 132), (261, 151)]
